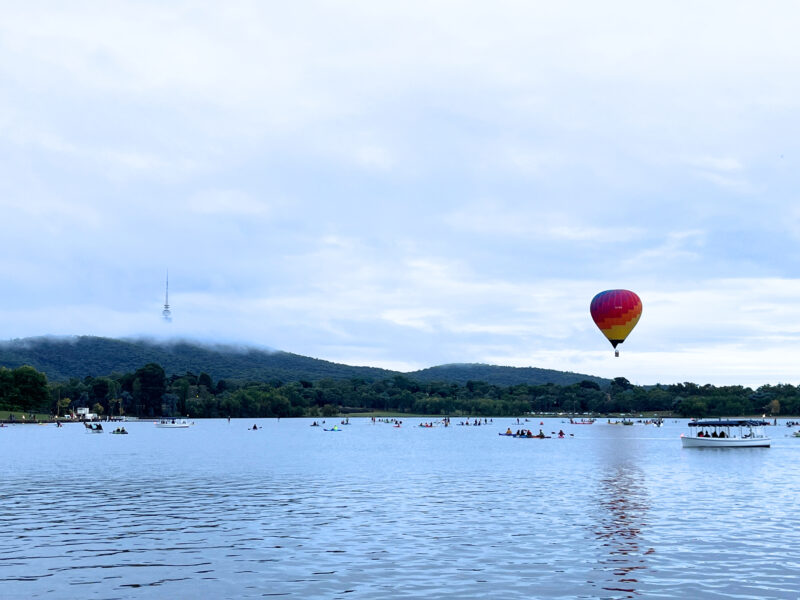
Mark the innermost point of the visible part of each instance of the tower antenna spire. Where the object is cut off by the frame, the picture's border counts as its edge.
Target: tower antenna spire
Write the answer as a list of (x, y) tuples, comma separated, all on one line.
[(167, 312)]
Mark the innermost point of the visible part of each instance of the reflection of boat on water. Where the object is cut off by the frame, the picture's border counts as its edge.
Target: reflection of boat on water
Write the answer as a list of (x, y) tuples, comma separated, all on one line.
[(726, 433), (173, 424)]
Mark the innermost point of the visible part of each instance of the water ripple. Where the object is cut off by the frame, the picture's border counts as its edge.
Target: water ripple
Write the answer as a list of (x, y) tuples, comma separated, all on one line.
[(380, 513)]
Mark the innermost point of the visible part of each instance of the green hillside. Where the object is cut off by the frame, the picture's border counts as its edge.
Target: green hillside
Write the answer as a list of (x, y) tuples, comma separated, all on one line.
[(63, 358), (461, 373)]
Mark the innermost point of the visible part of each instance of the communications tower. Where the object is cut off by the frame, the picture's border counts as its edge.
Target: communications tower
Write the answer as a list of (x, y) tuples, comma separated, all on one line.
[(167, 313)]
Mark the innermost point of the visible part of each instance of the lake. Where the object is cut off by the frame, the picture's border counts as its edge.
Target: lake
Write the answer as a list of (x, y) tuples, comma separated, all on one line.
[(374, 511)]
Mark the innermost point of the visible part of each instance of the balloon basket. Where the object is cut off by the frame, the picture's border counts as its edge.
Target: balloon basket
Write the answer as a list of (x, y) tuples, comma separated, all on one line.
[(616, 353)]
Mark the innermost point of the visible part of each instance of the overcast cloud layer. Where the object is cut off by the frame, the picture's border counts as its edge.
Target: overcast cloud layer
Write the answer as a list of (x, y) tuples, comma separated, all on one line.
[(409, 184)]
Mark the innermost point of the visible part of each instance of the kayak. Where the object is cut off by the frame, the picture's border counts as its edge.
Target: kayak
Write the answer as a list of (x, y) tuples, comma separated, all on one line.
[(506, 434), (332, 430)]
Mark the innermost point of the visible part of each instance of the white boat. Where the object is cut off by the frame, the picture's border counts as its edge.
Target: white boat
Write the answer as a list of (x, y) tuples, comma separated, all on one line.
[(173, 423), (726, 433)]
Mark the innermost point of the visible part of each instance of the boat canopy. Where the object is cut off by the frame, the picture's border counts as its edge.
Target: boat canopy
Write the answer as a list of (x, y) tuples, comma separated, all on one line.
[(729, 423)]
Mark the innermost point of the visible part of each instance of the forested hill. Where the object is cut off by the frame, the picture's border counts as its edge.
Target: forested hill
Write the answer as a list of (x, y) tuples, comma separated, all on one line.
[(462, 373), (63, 358)]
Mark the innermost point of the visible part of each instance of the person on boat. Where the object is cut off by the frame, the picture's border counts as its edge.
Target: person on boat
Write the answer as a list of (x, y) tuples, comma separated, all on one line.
[(255, 426), (508, 431), (721, 434), (714, 434), (560, 433), (700, 434)]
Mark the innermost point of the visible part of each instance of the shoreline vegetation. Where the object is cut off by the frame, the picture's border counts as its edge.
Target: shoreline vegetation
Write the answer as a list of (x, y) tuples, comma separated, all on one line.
[(148, 392)]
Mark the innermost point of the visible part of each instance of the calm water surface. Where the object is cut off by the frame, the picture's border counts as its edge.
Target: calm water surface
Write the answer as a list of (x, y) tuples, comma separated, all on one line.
[(218, 511)]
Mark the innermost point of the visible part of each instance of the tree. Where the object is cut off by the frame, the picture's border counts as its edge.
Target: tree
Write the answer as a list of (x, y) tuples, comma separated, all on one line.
[(171, 402), (329, 410), (61, 405), (7, 390), (31, 388), (774, 407), (152, 386), (205, 379), (692, 407), (620, 384)]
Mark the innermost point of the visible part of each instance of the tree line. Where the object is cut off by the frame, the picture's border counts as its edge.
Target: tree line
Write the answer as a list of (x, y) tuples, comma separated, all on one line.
[(150, 392)]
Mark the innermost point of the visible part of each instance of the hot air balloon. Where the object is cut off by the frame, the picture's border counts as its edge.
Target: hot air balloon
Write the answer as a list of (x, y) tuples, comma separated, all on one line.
[(616, 313)]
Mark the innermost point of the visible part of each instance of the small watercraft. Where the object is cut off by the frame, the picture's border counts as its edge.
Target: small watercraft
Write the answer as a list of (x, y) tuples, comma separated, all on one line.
[(172, 424), (726, 433)]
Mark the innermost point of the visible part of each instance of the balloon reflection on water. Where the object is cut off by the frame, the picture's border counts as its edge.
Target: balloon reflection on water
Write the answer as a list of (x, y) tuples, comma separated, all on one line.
[(623, 507)]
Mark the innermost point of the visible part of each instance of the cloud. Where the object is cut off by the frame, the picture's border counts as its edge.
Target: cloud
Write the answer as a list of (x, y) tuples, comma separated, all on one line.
[(227, 202), (678, 247), (712, 163), (411, 183), (538, 221)]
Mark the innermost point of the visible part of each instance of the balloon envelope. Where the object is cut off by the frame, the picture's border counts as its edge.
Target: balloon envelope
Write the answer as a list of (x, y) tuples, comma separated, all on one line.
[(616, 313)]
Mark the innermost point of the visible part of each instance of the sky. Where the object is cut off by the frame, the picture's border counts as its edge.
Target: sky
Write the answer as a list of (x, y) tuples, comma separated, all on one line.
[(406, 184)]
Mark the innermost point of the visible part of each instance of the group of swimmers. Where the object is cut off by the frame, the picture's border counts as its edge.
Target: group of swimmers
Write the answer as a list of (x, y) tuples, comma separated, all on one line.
[(476, 422)]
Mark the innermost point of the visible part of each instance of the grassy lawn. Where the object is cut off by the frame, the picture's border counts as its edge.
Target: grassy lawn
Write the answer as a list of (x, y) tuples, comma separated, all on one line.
[(5, 415)]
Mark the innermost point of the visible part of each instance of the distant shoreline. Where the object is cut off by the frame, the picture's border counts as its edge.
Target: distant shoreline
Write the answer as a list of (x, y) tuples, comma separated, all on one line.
[(42, 420)]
